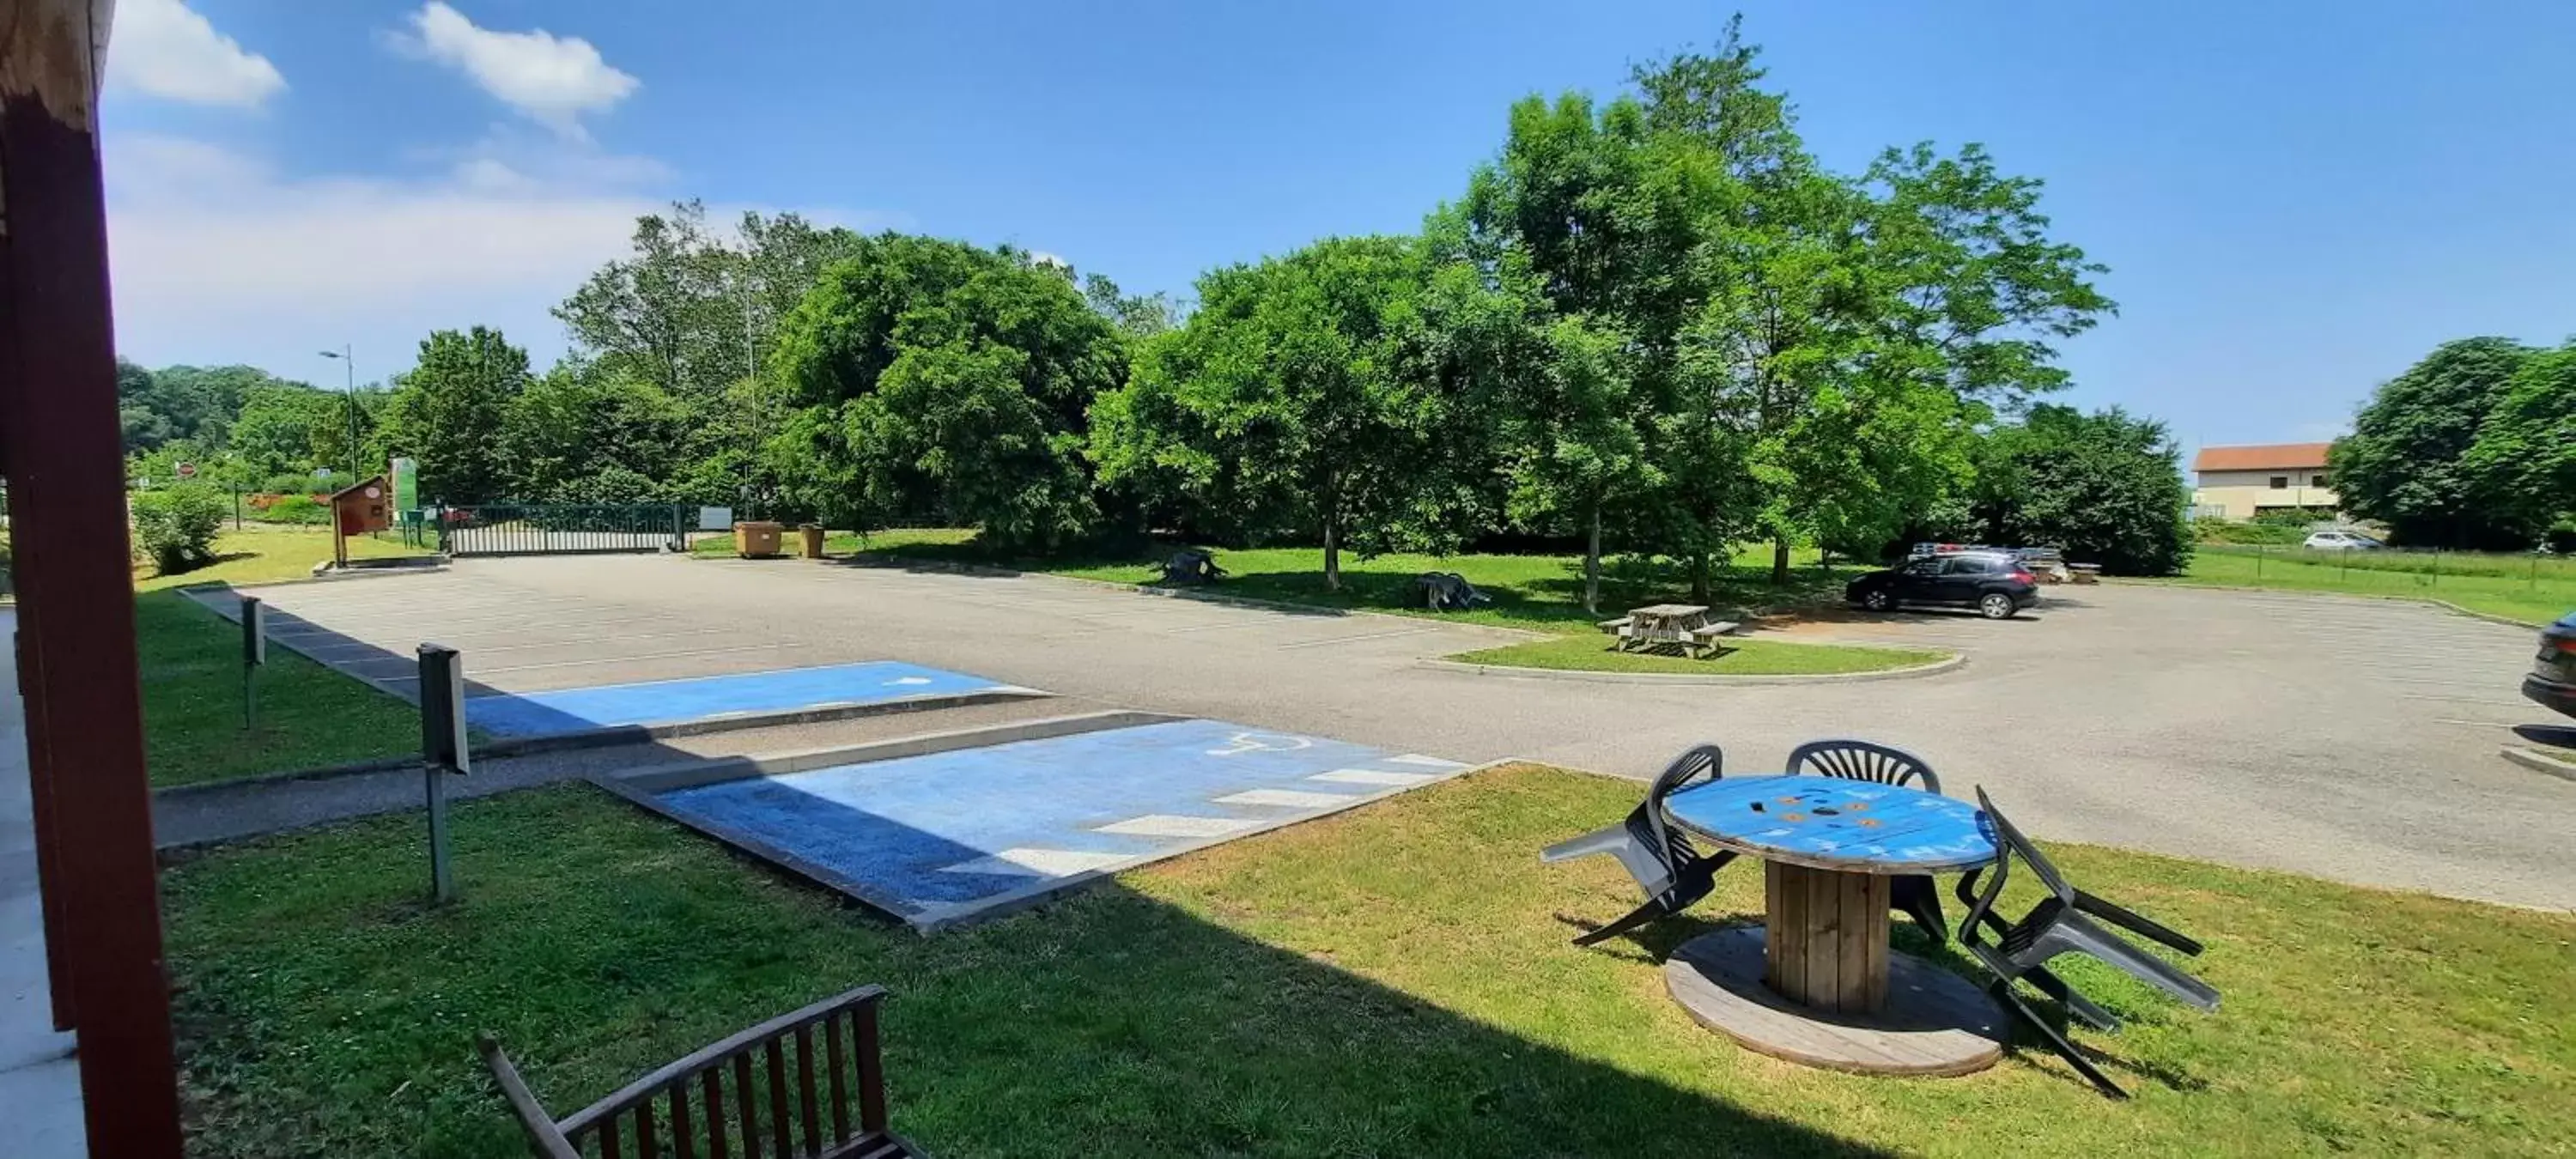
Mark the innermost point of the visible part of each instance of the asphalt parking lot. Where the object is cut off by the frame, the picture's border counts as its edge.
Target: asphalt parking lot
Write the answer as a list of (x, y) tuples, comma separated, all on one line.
[(2345, 738)]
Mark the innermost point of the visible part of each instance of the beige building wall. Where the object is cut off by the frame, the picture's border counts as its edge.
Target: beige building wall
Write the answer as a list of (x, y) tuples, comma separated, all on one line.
[(2242, 493)]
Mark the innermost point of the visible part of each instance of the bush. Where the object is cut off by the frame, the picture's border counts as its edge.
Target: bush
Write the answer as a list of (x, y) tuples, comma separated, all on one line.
[(297, 509), (2266, 534), (293, 483), (2299, 517), (175, 527)]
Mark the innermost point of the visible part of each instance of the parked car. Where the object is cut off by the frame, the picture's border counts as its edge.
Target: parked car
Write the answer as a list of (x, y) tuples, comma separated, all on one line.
[(1993, 582), (2553, 674), (2341, 541)]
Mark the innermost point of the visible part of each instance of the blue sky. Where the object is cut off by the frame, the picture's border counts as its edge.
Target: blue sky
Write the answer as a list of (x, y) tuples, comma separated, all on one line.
[(2295, 199)]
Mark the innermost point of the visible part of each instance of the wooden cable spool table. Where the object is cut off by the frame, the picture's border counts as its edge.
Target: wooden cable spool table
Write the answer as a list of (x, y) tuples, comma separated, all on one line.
[(1816, 982)]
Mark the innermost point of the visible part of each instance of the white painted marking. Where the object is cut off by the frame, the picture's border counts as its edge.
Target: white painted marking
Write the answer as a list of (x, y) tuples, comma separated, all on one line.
[(1039, 862), (1261, 742), (1170, 825), (1427, 762), (1286, 798), (907, 680), (1372, 777), (1357, 639)]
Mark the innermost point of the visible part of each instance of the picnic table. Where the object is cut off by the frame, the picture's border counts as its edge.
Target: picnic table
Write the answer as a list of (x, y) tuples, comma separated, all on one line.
[(1684, 626), (1817, 982)]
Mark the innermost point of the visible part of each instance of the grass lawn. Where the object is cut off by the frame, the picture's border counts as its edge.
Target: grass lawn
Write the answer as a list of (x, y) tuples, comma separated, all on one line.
[(1747, 657), (1391, 981), (2518, 587), (1539, 593), (309, 716)]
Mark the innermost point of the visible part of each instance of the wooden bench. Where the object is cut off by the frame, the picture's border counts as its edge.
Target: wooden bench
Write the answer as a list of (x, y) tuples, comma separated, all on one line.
[(681, 1109), (1706, 635), (1617, 627)]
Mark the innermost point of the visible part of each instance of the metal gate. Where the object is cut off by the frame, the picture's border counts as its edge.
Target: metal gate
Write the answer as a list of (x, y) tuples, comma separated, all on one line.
[(560, 528)]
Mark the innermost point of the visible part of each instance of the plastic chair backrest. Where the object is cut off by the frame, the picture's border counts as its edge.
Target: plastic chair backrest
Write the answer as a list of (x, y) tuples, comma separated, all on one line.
[(1705, 762), (2015, 844), (1860, 760)]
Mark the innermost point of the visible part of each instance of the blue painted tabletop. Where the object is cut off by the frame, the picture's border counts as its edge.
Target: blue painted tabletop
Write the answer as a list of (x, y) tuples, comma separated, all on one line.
[(1832, 823)]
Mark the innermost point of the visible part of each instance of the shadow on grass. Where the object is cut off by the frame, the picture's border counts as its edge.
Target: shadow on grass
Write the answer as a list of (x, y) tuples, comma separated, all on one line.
[(1654, 944), (1110, 1023)]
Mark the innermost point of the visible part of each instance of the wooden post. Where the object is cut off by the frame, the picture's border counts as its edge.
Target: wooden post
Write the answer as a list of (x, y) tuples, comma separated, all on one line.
[(61, 449), (1826, 937)]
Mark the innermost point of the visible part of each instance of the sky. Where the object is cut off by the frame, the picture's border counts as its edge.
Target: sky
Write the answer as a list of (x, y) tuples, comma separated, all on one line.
[(2296, 199)]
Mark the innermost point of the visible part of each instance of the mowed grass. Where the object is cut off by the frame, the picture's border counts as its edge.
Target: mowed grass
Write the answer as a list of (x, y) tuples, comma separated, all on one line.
[(1742, 657), (1391, 981), (309, 716), (2531, 589)]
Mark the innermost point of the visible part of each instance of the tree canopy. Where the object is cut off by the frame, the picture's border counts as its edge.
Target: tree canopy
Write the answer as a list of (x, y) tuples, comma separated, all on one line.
[(928, 377), (2105, 487), (2405, 462), (451, 412)]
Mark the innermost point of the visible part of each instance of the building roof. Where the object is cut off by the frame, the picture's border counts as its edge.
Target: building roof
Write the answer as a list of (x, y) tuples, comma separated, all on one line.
[(2287, 456), (369, 481)]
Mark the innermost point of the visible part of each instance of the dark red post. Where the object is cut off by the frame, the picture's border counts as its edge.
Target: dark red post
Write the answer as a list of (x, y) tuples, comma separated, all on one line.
[(60, 448)]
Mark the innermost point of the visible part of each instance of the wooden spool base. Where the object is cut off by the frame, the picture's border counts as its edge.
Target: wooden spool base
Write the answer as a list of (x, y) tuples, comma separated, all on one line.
[(1934, 1022)]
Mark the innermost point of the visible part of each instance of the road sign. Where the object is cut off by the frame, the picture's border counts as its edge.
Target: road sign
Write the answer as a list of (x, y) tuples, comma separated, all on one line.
[(187, 470)]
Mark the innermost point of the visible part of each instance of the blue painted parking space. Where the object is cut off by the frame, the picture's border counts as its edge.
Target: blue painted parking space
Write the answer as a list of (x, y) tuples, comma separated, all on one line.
[(676, 702), (936, 837)]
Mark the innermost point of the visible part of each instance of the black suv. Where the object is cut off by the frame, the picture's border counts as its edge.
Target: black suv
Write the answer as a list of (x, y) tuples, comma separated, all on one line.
[(1993, 582), (2553, 674)]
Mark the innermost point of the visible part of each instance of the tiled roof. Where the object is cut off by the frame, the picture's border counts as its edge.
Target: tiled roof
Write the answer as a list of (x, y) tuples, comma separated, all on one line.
[(2285, 456)]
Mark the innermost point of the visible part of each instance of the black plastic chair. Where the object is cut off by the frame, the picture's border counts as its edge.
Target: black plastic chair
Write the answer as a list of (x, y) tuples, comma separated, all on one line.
[(1671, 870), (2063, 923), (1914, 894)]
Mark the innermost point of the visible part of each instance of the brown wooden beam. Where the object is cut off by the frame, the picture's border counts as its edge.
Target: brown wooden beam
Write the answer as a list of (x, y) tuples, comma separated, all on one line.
[(61, 449)]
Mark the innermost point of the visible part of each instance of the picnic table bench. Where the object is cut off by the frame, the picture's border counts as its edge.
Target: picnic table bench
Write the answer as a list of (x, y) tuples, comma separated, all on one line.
[(1683, 626)]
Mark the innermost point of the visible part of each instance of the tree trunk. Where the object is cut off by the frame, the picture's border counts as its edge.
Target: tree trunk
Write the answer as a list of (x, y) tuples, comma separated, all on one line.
[(1780, 561), (1699, 576), (1332, 552), (1592, 566)]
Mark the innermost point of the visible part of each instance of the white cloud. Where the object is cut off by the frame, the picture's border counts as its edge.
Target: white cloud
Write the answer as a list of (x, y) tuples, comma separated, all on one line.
[(551, 79), (160, 48), (216, 252), (217, 257)]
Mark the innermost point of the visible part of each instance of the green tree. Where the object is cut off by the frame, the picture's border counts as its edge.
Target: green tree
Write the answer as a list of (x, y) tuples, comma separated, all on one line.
[(2405, 462), (452, 411), (2525, 454), (935, 377), (1298, 399), (579, 425), (2105, 487)]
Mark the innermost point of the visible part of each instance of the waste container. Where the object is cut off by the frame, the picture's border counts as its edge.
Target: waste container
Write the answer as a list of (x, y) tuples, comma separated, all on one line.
[(756, 540), (813, 533)]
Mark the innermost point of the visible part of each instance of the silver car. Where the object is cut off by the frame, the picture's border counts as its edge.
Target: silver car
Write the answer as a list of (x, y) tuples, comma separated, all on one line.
[(2341, 541)]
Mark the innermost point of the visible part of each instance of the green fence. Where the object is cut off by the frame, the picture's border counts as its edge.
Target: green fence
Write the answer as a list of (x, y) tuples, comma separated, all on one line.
[(558, 528)]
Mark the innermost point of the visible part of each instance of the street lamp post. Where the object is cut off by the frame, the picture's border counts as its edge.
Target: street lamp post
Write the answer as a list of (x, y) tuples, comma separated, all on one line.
[(350, 364)]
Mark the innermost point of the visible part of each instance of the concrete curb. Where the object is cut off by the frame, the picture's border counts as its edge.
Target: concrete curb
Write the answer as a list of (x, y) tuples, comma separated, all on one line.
[(2424, 601), (625, 734), (1688, 679), (430, 565), (2536, 759)]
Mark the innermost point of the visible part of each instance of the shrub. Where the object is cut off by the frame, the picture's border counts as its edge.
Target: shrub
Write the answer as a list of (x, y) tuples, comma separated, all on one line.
[(2266, 534), (175, 527), (296, 509)]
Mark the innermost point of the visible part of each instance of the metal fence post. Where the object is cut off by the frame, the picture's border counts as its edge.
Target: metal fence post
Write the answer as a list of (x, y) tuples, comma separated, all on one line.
[(444, 751), (254, 624)]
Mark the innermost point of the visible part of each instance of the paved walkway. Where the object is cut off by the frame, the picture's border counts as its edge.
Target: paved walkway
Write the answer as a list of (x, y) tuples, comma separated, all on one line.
[(2361, 735), (40, 1102)]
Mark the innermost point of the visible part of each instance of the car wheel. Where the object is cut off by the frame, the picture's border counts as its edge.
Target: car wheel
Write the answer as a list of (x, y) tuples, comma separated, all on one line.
[(1877, 600), (1996, 606)]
